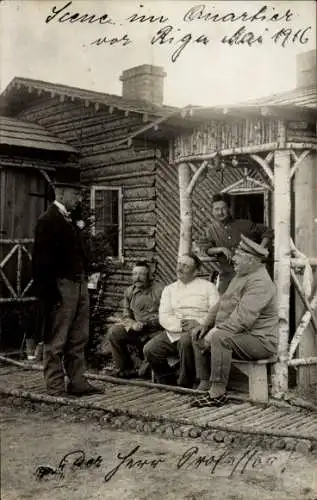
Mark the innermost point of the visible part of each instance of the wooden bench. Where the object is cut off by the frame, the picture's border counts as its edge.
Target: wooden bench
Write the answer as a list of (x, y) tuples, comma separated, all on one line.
[(256, 372)]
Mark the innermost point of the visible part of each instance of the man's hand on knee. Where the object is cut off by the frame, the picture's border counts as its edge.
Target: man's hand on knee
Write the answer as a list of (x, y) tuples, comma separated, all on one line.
[(189, 324), (208, 337), (199, 332)]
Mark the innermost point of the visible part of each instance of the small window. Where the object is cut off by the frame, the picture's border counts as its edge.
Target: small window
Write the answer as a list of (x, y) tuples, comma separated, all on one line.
[(106, 207)]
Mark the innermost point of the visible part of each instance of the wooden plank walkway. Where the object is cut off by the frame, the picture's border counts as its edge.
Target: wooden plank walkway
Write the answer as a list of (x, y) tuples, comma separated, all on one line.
[(152, 405)]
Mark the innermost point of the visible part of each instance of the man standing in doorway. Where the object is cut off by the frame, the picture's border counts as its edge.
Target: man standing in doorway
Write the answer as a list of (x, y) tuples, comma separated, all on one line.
[(223, 234), (60, 271)]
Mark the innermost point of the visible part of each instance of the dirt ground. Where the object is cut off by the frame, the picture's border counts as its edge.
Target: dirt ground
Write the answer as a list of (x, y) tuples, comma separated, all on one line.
[(114, 465)]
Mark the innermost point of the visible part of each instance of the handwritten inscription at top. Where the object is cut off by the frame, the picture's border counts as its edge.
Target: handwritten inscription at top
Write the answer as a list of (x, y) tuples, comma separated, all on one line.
[(146, 18), (63, 16), (263, 14), (258, 26)]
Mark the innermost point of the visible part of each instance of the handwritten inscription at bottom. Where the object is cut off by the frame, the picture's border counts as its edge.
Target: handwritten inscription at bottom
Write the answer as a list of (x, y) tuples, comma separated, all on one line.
[(224, 461)]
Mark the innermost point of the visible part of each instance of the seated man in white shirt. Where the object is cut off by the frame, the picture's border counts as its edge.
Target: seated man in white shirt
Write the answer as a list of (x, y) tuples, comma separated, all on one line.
[(184, 305)]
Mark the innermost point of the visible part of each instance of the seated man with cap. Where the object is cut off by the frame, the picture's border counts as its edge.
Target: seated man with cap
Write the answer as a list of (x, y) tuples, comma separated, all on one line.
[(245, 324), (60, 267)]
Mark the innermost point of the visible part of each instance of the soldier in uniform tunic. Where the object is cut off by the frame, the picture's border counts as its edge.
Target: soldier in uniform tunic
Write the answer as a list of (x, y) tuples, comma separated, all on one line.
[(222, 236), (245, 324)]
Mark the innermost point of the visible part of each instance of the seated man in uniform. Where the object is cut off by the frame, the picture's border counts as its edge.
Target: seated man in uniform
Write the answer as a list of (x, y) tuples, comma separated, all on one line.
[(184, 305), (222, 236), (245, 324), (139, 320)]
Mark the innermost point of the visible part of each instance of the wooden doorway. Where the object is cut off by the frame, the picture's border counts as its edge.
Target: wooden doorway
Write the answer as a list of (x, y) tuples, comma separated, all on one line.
[(248, 206)]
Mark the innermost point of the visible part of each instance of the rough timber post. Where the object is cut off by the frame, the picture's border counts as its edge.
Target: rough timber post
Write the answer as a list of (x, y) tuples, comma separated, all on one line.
[(185, 205), (282, 226), (305, 186)]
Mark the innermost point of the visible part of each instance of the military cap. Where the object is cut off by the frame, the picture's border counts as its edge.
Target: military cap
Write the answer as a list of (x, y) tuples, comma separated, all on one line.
[(250, 247)]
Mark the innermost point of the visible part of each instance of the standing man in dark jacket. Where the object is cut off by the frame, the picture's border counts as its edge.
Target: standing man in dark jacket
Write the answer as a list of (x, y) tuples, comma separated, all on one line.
[(60, 271), (223, 234)]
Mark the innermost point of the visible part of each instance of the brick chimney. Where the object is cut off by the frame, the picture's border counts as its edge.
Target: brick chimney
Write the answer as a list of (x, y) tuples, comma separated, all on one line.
[(306, 69), (145, 83)]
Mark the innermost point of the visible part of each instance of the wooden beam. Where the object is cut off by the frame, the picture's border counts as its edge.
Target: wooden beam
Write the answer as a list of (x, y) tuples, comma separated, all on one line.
[(281, 134), (304, 299), (298, 161), (229, 152), (269, 157), (305, 189), (297, 262), (193, 167), (303, 361), (294, 155), (282, 226), (185, 204), (19, 270), (301, 328), (9, 255), (265, 166), (45, 175), (301, 145), (196, 175), (7, 241)]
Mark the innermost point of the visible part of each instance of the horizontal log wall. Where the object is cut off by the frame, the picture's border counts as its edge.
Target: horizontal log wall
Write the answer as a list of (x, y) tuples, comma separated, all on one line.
[(224, 134), (104, 163), (81, 126)]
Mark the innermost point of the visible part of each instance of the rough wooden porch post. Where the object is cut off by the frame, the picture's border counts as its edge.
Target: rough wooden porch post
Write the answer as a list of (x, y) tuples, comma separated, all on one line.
[(282, 226), (185, 205), (306, 241)]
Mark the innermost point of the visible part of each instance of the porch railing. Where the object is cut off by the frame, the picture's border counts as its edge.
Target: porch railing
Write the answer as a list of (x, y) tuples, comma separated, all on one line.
[(16, 292)]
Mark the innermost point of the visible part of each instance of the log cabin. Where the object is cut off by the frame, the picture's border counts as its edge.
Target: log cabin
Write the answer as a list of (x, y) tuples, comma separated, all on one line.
[(151, 170)]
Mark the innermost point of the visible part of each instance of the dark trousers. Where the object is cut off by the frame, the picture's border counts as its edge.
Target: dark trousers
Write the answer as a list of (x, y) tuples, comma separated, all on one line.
[(119, 339), (66, 335), (157, 350), (215, 363)]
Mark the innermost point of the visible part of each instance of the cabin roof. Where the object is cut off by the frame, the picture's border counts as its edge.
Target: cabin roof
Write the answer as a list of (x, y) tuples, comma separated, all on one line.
[(88, 96), (20, 133), (304, 97), (296, 104)]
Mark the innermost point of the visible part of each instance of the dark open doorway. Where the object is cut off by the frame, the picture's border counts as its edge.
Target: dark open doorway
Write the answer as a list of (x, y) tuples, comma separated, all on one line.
[(248, 206)]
